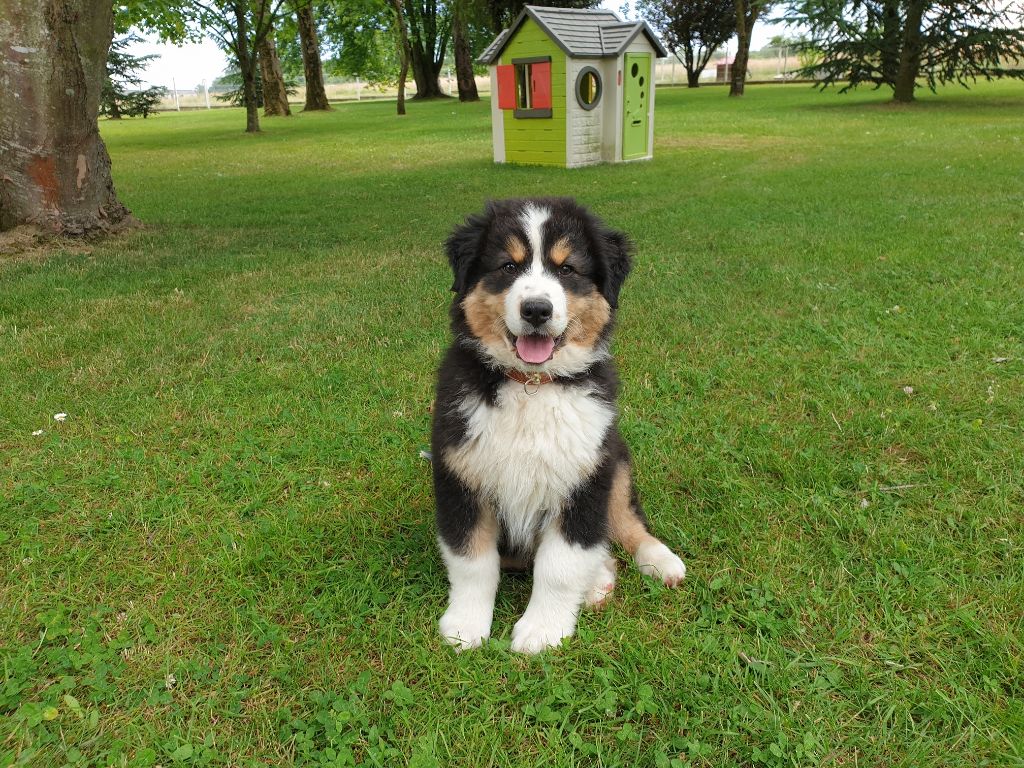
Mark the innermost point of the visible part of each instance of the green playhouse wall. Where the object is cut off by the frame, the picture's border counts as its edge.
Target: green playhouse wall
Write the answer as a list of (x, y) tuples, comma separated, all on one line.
[(539, 140)]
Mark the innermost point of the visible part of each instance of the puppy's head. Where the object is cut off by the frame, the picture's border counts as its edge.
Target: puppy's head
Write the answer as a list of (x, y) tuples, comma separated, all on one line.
[(537, 283)]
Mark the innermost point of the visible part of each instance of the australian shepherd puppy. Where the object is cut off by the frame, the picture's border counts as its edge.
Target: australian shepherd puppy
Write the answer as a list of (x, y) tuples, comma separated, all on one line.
[(529, 466)]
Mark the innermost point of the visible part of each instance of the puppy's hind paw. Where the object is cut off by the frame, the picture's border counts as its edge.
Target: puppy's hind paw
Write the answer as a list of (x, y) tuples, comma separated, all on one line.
[(658, 561)]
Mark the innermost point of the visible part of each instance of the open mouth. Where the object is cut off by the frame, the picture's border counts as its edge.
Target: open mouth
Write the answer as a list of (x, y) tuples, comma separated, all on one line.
[(535, 348)]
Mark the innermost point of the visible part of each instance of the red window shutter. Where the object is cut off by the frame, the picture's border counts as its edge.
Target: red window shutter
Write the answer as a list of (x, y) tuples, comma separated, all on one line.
[(506, 86), (541, 76)]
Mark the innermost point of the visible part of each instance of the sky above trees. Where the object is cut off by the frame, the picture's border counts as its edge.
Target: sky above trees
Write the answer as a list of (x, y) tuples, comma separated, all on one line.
[(188, 65)]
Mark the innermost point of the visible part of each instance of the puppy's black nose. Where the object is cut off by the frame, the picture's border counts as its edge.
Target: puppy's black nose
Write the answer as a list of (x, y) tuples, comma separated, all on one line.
[(536, 311)]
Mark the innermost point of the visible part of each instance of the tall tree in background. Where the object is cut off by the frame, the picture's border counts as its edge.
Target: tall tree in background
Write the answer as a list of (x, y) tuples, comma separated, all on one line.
[(275, 92), (238, 26), (895, 42), (402, 43), (55, 167), (747, 13), (312, 66), (462, 48), (429, 24), (122, 94), (694, 28)]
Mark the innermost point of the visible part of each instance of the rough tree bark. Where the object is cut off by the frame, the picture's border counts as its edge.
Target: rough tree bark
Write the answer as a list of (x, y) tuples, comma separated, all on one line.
[(312, 67), (275, 95), (747, 12), (463, 57), (427, 46), (910, 54), (426, 74), (403, 52), (247, 66), (54, 167)]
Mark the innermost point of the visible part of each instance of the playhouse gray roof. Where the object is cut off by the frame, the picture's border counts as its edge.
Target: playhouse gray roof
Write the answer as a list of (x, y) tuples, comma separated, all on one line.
[(579, 32)]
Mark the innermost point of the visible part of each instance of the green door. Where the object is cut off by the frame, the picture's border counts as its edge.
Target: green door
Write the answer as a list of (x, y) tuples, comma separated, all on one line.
[(636, 88)]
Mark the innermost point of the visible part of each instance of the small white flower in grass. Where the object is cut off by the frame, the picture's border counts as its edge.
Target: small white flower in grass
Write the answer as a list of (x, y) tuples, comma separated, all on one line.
[(60, 416), (894, 310), (864, 503), (170, 681), (908, 390), (37, 433)]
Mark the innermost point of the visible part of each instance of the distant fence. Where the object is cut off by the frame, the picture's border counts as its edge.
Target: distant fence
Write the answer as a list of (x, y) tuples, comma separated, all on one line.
[(770, 66)]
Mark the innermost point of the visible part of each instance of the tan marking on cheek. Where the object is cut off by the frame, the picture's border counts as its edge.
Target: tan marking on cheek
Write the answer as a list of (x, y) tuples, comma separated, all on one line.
[(588, 316), (516, 249), (484, 314), (626, 526), (560, 251)]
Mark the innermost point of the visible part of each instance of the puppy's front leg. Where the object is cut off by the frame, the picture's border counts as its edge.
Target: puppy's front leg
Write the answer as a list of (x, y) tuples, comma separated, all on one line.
[(468, 538), (563, 575)]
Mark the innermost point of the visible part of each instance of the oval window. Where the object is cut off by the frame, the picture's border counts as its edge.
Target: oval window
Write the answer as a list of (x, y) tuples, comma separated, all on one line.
[(588, 87), (634, 69)]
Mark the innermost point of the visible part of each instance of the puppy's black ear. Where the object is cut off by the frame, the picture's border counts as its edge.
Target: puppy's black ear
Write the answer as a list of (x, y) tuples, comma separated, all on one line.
[(463, 248), (617, 259)]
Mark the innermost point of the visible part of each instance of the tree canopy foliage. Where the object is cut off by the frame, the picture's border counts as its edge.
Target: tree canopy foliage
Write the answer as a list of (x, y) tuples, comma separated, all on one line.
[(895, 43), (122, 94), (692, 29)]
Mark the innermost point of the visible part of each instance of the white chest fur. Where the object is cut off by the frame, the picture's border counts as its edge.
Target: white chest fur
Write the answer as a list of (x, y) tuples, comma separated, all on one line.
[(529, 451)]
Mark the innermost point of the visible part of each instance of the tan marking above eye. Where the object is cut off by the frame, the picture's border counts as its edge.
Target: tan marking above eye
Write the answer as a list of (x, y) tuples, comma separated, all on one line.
[(560, 251), (516, 249)]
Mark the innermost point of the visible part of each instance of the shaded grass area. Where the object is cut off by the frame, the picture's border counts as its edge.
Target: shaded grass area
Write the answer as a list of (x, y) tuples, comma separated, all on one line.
[(224, 556)]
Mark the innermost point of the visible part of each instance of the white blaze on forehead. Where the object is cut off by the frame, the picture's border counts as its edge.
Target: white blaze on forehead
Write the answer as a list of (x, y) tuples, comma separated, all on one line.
[(533, 218), (534, 283)]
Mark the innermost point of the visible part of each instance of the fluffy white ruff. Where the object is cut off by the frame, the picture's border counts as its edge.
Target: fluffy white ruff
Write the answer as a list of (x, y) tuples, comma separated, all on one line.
[(658, 561), (528, 452), (563, 576), (474, 582)]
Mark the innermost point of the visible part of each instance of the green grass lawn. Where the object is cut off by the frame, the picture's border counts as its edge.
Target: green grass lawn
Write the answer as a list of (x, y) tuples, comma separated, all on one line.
[(225, 554)]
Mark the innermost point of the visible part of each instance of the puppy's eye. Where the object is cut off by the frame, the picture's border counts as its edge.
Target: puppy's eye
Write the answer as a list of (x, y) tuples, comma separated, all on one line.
[(509, 267), (565, 269)]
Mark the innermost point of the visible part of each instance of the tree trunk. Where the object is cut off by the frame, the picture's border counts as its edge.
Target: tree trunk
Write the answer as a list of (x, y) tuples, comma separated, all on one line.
[(910, 54), (312, 67), (426, 47), (463, 58), (403, 75), (247, 66), (891, 38), (275, 97), (426, 74), (746, 15), (692, 79), (54, 167), (403, 53)]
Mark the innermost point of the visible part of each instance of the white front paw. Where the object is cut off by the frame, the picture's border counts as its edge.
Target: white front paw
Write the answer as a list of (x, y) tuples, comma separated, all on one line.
[(655, 559), (603, 585), (535, 634), (465, 626)]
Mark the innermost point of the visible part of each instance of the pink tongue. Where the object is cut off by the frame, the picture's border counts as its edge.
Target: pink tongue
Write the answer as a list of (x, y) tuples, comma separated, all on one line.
[(535, 349)]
